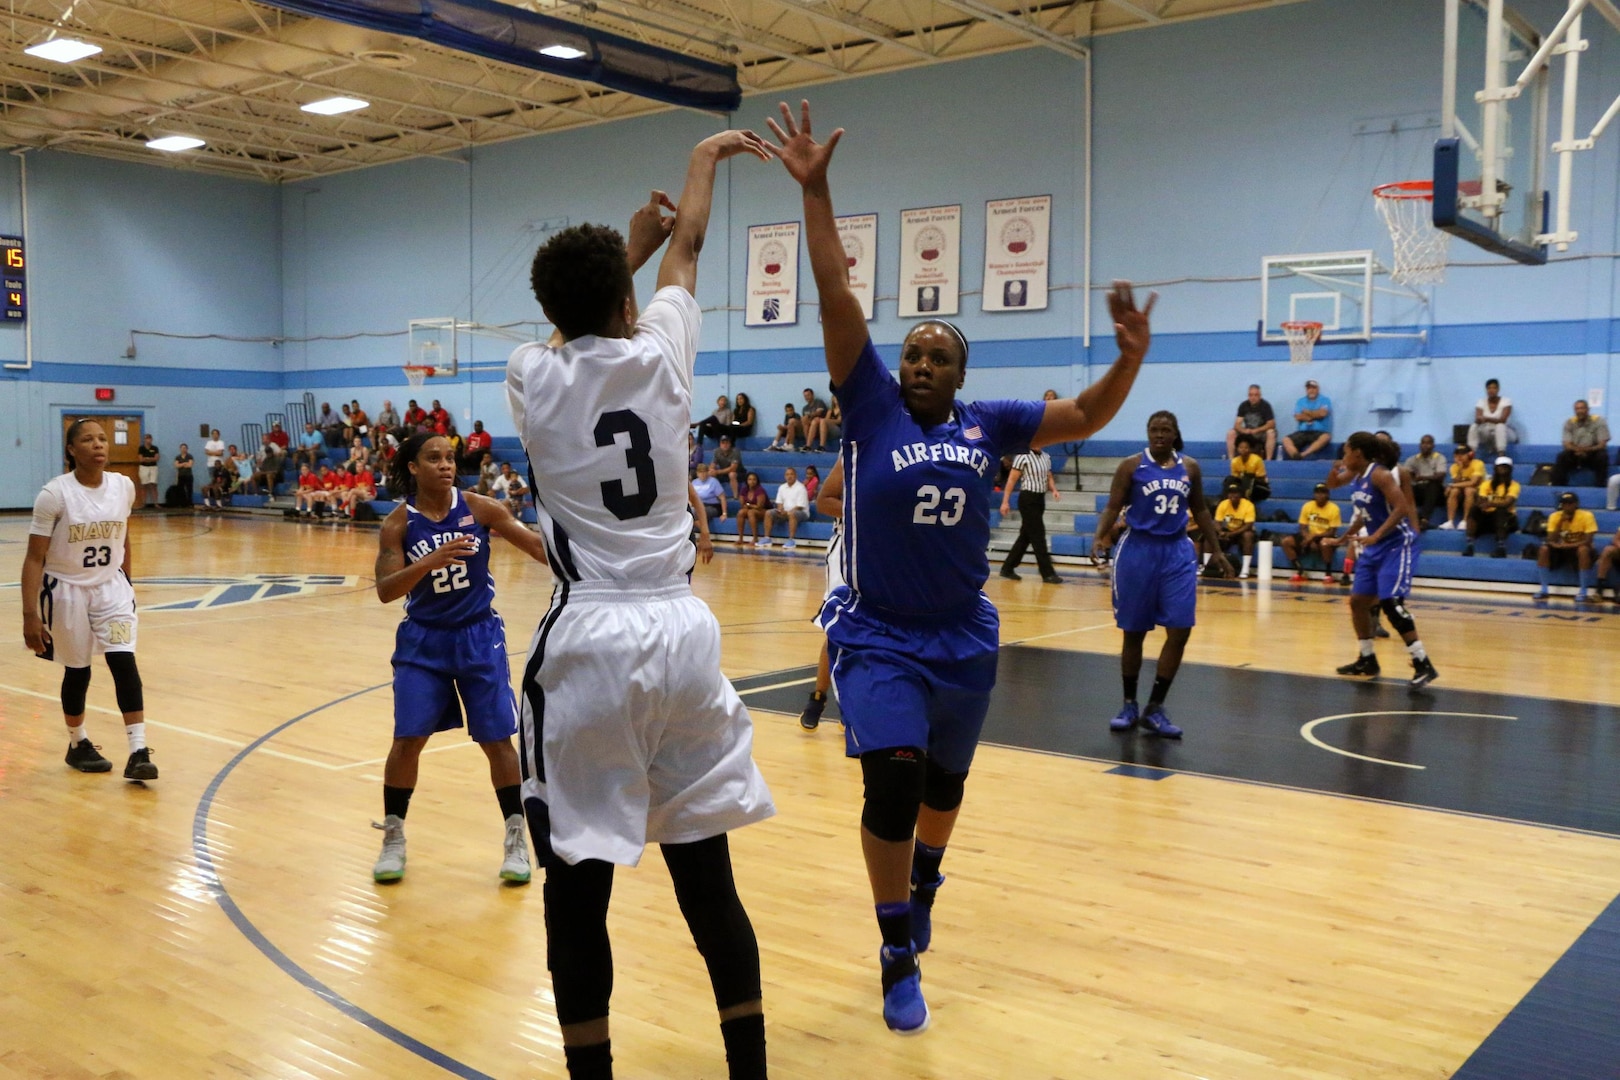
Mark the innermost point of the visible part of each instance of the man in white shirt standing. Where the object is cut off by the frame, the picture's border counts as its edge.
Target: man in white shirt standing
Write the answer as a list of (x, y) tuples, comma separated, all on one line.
[(629, 733), (792, 505)]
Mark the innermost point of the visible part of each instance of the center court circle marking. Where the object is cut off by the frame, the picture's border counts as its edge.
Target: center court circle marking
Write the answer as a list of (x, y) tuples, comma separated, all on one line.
[(1307, 731), (204, 858)]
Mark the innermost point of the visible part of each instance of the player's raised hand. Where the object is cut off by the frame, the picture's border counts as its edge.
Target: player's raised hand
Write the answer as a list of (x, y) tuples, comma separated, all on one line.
[(650, 227), (453, 552), (806, 160), (1132, 331), (731, 143), (35, 636)]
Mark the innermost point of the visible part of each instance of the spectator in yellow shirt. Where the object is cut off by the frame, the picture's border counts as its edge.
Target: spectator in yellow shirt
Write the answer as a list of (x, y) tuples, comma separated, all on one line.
[(1462, 486), (1570, 532), (1319, 523), (1234, 526), (1249, 471), (1497, 508)]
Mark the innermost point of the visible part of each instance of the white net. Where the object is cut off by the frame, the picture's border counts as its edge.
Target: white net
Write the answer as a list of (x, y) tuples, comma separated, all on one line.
[(416, 374), (1420, 248), (1301, 340)]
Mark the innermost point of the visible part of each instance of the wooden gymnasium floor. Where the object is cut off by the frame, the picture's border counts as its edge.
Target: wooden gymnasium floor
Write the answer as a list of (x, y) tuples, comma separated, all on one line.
[(1245, 905)]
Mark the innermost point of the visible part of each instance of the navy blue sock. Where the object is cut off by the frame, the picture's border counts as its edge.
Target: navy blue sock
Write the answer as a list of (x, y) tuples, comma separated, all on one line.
[(1161, 690), (894, 922), (397, 800), (925, 860), (1130, 686), (594, 1062), (1544, 575), (745, 1046)]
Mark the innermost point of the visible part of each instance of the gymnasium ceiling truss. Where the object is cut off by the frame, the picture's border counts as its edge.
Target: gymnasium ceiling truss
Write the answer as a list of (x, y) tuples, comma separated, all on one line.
[(235, 73)]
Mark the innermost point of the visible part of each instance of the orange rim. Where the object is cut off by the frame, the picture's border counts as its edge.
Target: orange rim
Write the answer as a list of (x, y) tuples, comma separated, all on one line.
[(1405, 189)]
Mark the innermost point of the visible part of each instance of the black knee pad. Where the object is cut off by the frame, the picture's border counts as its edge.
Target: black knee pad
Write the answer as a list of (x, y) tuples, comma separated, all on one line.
[(707, 895), (1399, 617), (894, 782), (578, 952), (75, 681), (126, 681), (942, 790)]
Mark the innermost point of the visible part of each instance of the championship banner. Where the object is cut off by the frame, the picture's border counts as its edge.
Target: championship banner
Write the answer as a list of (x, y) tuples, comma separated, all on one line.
[(930, 260), (859, 234), (1016, 235), (773, 275)]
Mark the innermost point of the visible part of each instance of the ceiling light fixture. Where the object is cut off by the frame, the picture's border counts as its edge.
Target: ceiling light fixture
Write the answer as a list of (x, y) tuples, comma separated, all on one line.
[(173, 143), (63, 50), (562, 52), (332, 106)]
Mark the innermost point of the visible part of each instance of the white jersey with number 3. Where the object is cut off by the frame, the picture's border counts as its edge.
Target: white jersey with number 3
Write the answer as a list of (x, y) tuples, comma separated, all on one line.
[(88, 527), (604, 422)]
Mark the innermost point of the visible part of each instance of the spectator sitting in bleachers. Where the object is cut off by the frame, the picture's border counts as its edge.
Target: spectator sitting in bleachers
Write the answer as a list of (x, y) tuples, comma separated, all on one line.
[(1462, 487), (812, 484), (416, 420), (1613, 500), (813, 409), (487, 473), (359, 420), (1427, 468), (245, 466), (1606, 565), (792, 505), (1256, 420), (221, 478), (1490, 433), (478, 443), (267, 466), (311, 446), (1496, 509), (439, 419), (1586, 446), (509, 488), (348, 424), (387, 420), (309, 491), (1570, 532), (1313, 417), (710, 494), (338, 483), (1249, 471), (361, 488), (1319, 522), (822, 433), (1234, 520), (694, 454), (279, 437), (358, 454), (726, 465), (790, 428), (330, 425), (751, 511), (743, 417), (717, 422)]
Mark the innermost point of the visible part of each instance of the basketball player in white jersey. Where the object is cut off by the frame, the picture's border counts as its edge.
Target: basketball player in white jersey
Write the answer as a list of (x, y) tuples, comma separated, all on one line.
[(629, 731), (77, 599)]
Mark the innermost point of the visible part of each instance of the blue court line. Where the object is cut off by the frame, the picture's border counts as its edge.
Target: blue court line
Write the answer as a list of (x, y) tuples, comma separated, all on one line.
[(1568, 1026), (1140, 772), (205, 865)]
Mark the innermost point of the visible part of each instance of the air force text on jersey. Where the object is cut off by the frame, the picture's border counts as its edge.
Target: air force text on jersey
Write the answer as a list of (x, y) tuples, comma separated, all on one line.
[(918, 453), (1168, 483), (425, 547)]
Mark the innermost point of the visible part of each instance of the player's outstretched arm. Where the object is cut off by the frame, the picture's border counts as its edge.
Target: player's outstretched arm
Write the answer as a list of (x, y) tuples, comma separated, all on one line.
[(1068, 420), (1117, 494), (843, 323), (705, 545), (498, 520), (1200, 513), (649, 228), (35, 636), (692, 219)]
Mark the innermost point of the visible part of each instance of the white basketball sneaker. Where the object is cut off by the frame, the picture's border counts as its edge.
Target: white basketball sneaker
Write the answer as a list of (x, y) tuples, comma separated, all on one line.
[(515, 867), (391, 863)]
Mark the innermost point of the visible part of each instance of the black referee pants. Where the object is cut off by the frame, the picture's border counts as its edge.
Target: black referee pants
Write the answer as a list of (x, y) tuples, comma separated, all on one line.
[(1031, 533)]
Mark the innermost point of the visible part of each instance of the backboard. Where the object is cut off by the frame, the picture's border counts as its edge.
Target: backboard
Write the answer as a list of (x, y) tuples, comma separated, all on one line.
[(447, 345), (1490, 161), (1333, 288)]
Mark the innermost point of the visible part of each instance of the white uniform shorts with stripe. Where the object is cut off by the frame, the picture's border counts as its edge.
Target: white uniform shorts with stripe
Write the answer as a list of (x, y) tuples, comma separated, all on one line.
[(85, 621), (630, 734)]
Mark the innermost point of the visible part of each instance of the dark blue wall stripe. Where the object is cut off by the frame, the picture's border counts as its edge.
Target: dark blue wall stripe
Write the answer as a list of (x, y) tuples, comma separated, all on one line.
[(1566, 338), (204, 857), (1568, 1025)]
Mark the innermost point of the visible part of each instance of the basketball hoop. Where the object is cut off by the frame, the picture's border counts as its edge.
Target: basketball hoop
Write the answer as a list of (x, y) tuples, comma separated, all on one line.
[(417, 374), (1301, 340), (1407, 208)]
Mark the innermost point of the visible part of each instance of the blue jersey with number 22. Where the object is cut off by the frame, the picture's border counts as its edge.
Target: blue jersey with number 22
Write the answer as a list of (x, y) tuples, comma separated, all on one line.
[(1157, 505), (453, 595)]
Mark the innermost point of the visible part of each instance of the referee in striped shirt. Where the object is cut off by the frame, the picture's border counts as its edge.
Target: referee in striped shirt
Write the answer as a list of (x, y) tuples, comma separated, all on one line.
[(1032, 475)]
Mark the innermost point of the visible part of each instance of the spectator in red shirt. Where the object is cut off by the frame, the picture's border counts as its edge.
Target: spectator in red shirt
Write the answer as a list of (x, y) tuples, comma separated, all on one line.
[(363, 488), (309, 491), (415, 418), (475, 446), (439, 418), (278, 436)]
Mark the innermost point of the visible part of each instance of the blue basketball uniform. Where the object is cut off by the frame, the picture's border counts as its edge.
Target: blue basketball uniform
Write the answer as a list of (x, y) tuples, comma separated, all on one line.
[(912, 635), (1384, 569), (1155, 564), (451, 643)]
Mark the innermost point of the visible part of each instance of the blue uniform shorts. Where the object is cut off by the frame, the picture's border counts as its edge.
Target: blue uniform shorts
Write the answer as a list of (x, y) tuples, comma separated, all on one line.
[(1155, 583), (911, 682), (1386, 570), (437, 672)]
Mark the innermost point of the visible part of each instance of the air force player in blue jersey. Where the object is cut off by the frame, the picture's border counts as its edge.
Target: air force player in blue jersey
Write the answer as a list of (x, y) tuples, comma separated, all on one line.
[(912, 636), (1384, 571), (450, 649), (1155, 564)]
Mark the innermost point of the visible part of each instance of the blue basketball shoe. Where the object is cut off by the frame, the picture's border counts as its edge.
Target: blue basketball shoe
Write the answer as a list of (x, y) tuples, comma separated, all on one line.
[(904, 1009), (1128, 715), (1155, 722)]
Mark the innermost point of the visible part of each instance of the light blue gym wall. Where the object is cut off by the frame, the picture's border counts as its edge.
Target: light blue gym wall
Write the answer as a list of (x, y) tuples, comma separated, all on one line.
[(115, 247)]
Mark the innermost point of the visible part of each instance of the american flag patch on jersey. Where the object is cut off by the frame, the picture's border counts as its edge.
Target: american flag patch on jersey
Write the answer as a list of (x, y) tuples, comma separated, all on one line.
[(972, 433), (464, 522)]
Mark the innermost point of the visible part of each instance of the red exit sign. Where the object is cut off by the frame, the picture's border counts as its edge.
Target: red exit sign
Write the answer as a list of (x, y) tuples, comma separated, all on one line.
[(104, 393)]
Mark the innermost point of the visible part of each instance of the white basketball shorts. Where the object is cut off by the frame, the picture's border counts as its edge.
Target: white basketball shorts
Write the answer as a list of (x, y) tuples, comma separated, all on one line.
[(835, 562), (85, 621), (630, 734)]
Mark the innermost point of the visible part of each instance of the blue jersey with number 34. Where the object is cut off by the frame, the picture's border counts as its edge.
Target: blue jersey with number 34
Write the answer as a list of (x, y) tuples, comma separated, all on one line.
[(917, 500), (453, 595), (1157, 505)]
